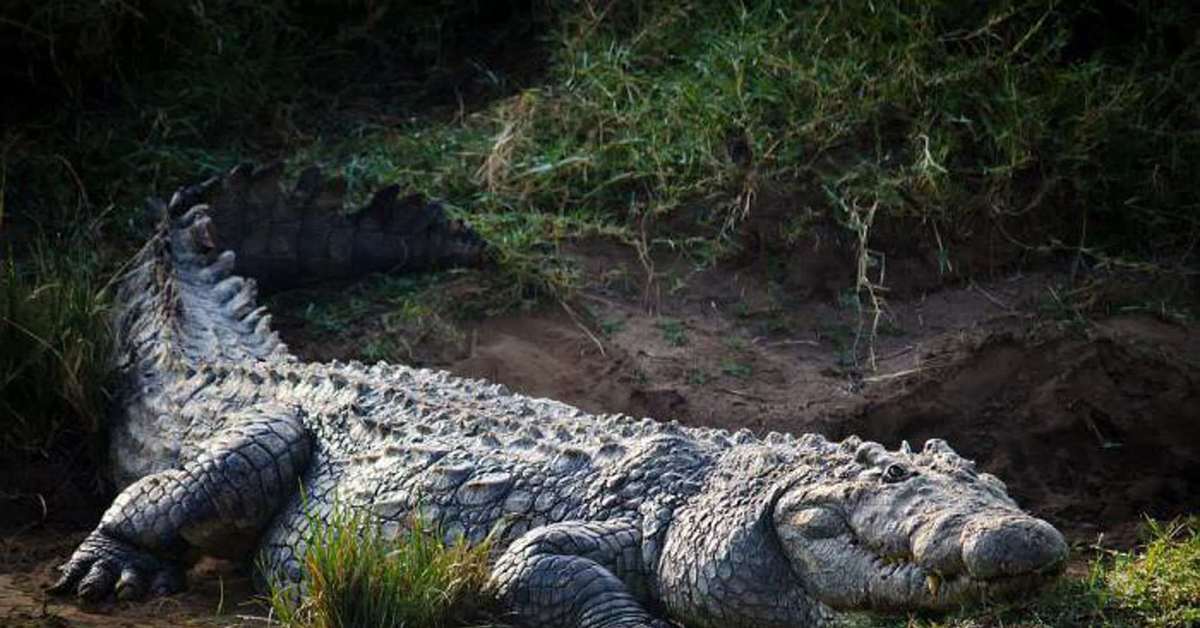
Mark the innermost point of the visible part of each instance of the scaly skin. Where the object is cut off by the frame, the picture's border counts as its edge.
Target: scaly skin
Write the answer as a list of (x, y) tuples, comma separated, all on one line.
[(600, 521)]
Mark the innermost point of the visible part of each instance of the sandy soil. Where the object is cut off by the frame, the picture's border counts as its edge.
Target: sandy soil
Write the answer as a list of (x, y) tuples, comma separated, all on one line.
[(1093, 426), (219, 593)]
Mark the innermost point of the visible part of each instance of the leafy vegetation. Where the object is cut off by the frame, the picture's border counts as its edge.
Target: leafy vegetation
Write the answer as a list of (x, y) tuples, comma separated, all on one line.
[(951, 114), (674, 332), (356, 575), (1161, 586), (733, 368)]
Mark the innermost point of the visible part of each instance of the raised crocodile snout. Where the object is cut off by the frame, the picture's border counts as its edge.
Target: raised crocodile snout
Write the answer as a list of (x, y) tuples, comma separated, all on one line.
[(996, 547)]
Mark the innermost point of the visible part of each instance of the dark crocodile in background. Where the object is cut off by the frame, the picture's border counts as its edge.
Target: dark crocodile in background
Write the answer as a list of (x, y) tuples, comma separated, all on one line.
[(599, 521)]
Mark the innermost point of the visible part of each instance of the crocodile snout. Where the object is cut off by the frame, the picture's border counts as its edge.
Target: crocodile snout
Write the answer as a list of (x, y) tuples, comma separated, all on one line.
[(995, 547)]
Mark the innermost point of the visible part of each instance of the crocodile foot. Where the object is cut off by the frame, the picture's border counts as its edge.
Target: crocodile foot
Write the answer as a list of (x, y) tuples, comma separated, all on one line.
[(103, 565)]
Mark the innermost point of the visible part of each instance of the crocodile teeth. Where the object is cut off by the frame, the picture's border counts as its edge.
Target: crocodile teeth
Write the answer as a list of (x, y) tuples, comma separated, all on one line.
[(933, 583)]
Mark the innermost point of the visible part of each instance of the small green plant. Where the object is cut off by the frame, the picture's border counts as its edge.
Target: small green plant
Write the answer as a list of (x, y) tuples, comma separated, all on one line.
[(355, 575), (777, 323), (733, 368), (1065, 306), (332, 316), (734, 343), (611, 326), (841, 336), (674, 331), (386, 349)]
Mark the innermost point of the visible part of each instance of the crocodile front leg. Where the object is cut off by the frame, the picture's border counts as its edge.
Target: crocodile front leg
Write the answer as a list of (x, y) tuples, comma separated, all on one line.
[(215, 504), (576, 575)]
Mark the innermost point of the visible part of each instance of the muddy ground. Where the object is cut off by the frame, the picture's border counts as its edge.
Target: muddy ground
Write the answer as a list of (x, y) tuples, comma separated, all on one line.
[(1092, 419)]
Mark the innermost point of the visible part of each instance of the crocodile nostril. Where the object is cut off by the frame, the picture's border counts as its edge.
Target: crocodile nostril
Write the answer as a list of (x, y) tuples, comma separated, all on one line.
[(1011, 546)]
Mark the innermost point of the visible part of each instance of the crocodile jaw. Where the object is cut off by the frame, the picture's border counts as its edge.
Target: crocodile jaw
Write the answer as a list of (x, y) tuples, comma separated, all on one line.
[(845, 574)]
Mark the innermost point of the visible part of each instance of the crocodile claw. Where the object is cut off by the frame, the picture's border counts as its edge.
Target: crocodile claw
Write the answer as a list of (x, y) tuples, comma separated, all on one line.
[(131, 585), (104, 566)]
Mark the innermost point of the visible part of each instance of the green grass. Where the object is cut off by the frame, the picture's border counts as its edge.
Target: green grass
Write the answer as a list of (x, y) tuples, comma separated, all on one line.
[(734, 368), (937, 111), (56, 350), (1161, 585), (608, 327), (354, 575), (674, 332), (954, 119)]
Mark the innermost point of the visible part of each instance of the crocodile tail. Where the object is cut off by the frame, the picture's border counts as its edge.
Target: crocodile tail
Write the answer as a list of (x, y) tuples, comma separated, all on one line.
[(289, 238), (181, 305), (192, 291), (183, 320)]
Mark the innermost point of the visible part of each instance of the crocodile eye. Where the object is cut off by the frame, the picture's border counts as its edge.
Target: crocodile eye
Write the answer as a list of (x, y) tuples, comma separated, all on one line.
[(895, 473)]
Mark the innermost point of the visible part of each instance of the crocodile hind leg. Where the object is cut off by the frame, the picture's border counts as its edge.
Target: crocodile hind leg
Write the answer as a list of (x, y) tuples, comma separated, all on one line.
[(215, 504), (576, 575)]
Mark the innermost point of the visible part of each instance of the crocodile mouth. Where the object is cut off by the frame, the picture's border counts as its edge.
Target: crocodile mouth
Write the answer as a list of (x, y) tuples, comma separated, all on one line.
[(932, 589), (903, 581)]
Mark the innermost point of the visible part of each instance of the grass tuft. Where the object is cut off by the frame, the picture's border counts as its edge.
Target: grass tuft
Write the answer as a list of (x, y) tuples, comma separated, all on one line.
[(1162, 584), (356, 575), (56, 349)]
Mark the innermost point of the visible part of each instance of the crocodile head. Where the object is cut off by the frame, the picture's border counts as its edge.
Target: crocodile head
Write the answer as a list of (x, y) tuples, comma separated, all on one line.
[(898, 530)]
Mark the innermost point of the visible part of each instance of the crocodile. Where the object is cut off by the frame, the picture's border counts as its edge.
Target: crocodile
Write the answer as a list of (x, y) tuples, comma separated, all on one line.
[(226, 444)]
